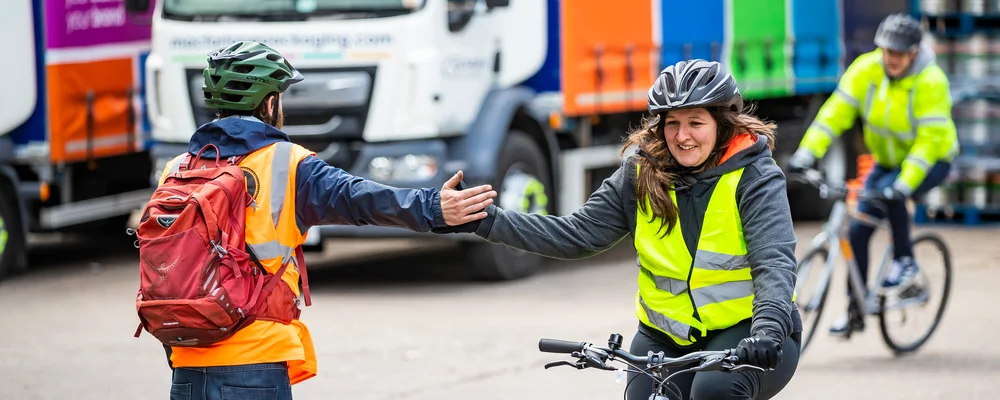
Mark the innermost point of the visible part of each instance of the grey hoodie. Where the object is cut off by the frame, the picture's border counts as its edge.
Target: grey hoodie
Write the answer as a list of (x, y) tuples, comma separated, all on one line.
[(610, 214)]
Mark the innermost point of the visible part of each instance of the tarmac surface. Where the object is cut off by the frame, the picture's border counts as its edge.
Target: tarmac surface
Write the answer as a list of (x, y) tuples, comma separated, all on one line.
[(423, 331)]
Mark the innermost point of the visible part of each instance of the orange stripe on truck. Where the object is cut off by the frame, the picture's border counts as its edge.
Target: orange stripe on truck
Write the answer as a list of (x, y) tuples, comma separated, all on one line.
[(67, 88), (596, 36)]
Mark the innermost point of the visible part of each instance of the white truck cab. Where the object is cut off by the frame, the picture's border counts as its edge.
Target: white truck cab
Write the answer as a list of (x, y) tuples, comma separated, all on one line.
[(405, 92)]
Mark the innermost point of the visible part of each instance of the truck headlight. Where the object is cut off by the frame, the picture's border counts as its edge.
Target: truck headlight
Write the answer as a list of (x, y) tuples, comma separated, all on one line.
[(410, 167)]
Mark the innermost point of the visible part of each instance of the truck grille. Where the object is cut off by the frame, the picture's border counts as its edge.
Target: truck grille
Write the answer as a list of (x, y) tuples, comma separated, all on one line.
[(326, 112)]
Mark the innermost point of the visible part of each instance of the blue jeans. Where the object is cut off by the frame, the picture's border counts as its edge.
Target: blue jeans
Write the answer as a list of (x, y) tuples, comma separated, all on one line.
[(861, 233), (250, 382)]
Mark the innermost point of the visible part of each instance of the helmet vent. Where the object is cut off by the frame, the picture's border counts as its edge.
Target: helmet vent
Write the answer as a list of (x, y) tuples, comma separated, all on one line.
[(691, 81), (671, 86), (273, 57), (234, 98), (215, 79), (279, 75), (236, 85), (243, 69)]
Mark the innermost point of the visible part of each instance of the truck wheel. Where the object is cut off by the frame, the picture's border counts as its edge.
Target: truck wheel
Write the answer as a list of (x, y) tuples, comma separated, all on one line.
[(12, 241), (523, 184)]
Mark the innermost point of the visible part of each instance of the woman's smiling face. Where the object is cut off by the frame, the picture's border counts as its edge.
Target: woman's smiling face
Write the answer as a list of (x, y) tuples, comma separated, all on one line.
[(690, 134)]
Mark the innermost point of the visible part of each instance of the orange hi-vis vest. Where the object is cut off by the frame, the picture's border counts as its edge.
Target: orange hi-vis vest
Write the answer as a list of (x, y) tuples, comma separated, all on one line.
[(273, 235)]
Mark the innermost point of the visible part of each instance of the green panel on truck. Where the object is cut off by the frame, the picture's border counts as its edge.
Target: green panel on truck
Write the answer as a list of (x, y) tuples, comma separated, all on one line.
[(757, 55)]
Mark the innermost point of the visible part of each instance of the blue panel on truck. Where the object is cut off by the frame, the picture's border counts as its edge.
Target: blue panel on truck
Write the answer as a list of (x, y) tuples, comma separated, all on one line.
[(33, 130), (547, 79), (861, 18), (698, 23), (145, 128), (816, 29)]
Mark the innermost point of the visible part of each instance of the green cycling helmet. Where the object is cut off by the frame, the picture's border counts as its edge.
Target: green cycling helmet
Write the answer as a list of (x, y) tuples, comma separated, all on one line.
[(241, 75)]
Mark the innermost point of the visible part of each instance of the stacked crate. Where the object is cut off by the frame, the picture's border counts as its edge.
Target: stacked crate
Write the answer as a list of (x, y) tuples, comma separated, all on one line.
[(965, 35)]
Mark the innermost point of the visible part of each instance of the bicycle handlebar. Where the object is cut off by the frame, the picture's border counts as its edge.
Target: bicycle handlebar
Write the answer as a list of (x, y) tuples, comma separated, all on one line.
[(592, 356), (815, 178)]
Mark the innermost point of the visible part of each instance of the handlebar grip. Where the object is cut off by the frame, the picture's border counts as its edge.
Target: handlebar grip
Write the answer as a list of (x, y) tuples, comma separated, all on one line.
[(559, 346)]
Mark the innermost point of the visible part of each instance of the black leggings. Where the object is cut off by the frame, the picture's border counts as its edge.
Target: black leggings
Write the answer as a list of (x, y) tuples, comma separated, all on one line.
[(716, 384)]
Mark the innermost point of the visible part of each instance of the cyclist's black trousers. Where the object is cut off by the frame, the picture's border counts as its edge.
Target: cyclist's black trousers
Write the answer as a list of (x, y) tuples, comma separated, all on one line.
[(716, 384), (899, 218)]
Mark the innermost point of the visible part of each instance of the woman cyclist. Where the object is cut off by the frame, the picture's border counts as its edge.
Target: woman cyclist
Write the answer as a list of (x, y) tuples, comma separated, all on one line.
[(707, 209)]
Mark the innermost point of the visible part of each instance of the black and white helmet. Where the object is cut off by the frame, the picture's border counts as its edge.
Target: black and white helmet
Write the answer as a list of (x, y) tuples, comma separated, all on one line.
[(899, 32), (694, 83)]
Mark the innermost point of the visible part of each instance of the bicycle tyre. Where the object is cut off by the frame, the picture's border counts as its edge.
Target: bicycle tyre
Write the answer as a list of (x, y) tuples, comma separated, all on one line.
[(823, 254), (898, 349)]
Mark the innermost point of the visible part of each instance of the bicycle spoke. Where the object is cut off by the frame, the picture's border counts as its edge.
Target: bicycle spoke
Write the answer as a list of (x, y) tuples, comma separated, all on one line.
[(909, 315)]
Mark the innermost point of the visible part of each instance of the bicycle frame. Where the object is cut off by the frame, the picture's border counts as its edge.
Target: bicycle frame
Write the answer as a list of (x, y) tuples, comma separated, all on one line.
[(834, 236)]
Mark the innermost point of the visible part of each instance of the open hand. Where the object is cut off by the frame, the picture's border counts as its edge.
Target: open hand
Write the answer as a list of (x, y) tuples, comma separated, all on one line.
[(464, 206)]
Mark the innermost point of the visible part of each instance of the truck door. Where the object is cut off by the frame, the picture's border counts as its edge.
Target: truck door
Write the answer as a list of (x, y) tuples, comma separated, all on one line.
[(467, 57)]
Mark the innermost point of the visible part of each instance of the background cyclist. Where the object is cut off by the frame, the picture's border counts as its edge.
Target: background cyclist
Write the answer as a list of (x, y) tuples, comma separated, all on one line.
[(903, 98)]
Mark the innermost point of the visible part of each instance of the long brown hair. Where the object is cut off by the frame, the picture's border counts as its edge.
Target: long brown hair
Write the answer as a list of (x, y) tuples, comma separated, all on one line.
[(656, 181)]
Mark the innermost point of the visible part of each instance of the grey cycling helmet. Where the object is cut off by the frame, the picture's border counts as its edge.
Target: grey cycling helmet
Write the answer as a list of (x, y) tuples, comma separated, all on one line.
[(899, 32), (694, 83)]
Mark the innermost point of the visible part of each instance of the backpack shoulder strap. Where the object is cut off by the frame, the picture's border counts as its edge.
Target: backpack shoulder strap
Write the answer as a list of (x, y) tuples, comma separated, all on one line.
[(184, 163), (300, 260)]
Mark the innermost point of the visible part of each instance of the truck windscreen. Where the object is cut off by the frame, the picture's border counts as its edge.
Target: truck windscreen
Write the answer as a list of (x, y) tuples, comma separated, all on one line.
[(285, 10)]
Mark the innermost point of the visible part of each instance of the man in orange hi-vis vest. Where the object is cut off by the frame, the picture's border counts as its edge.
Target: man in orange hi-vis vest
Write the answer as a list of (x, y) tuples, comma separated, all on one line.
[(292, 190)]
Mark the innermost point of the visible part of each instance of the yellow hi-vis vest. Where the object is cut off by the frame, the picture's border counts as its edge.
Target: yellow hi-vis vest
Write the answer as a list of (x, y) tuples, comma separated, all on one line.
[(679, 295)]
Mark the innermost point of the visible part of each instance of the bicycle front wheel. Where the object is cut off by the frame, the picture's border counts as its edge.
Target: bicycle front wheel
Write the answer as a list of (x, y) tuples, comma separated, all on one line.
[(809, 275), (911, 305)]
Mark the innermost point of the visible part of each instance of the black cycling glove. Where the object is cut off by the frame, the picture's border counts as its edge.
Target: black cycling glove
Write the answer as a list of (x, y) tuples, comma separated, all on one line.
[(763, 349)]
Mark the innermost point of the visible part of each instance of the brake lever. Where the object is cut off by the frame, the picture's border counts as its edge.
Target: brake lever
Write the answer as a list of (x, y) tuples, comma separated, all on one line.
[(594, 362), (746, 366), (566, 363)]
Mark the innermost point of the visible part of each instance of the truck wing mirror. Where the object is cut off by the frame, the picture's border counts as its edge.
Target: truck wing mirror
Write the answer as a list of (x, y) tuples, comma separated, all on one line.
[(491, 4)]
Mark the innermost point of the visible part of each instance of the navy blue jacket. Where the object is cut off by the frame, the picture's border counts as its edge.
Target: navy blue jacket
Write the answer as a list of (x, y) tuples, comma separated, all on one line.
[(326, 195)]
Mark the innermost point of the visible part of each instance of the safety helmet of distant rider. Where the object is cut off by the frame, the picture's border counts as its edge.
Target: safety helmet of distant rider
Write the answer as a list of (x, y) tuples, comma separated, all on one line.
[(899, 32), (240, 76), (689, 84)]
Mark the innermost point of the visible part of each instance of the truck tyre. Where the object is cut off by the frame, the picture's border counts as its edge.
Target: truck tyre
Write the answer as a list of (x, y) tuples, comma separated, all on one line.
[(523, 184), (12, 240)]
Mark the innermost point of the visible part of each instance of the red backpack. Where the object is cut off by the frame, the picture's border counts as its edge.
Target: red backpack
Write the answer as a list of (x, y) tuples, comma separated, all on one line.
[(198, 286)]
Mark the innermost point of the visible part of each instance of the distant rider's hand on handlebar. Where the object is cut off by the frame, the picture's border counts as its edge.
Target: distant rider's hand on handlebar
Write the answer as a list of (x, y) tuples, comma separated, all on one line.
[(889, 193), (763, 349), (801, 161)]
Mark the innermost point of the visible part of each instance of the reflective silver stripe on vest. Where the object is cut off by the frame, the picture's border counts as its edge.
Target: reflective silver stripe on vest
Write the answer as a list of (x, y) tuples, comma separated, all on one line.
[(888, 133), (279, 178), (825, 129), (669, 285), (924, 165), (722, 292), (931, 121), (869, 102), (719, 262), (676, 328), (847, 97), (272, 249)]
